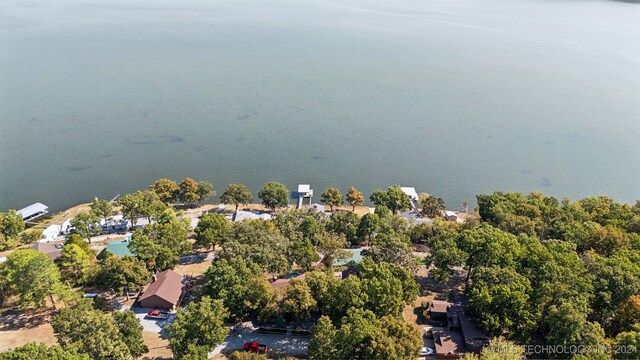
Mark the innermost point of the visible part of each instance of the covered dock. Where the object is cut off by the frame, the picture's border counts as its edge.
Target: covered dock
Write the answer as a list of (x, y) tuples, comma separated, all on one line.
[(33, 212)]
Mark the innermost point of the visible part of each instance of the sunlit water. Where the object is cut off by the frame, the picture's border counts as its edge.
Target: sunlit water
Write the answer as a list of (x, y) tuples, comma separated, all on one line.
[(454, 97)]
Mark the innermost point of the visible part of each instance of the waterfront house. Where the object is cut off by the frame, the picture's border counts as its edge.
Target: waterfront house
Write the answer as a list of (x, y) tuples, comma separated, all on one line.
[(51, 250), (451, 216)]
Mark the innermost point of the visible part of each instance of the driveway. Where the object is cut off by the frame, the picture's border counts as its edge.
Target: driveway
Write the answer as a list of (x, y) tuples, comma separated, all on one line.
[(279, 343), (152, 325)]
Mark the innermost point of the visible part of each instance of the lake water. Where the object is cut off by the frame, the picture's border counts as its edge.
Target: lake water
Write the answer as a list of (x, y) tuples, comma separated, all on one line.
[(454, 97)]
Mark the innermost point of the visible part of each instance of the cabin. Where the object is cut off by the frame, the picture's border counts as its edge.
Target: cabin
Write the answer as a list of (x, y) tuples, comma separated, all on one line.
[(438, 310), (166, 291), (33, 212), (115, 224)]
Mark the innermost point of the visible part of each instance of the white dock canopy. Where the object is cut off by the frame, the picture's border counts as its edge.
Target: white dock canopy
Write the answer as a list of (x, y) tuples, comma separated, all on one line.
[(411, 191), (33, 211)]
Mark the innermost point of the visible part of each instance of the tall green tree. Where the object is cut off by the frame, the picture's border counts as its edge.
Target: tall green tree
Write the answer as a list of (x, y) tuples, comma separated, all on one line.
[(345, 223), (211, 230), (34, 277), (362, 336), (75, 263), (394, 199), (201, 323), (86, 225), (388, 287), (369, 224), (101, 208), (90, 331), (394, 249), (331, 246), (239, 284), (11, 224), (116, 273), (354, 198), (167, 190), (141, 204), (34, 350), (205, 190), (236, 194), (274, 195), (188, 192), (627, 344), (431, 206), (298, 303), (332, 197), (260, 242), (162, 243), (130, 331)]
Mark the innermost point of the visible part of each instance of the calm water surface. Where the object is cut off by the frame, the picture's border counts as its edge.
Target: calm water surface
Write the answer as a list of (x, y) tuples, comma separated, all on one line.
[(454, 97)]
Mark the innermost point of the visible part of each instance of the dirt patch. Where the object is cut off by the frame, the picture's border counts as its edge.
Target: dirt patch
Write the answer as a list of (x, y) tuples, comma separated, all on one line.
[(10, 339), (158, 347)]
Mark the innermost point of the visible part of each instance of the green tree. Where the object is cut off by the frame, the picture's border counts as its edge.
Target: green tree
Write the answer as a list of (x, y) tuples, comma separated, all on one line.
[(11, 224), (298, 301), (75, 263), (626, 314), (260, 242), (162, 243), (236, 194), (331, 246), (332, 197), (205, 190), (345, 223), (200, 323), (431, 206), (211, 230), (323, 337), (369, 224), (627, 344), (130, 331), (394, 199), (302, 253), (487, 246), (569, 326), (141, 204), (86, 225), (239, 284), (274, 195), (362, 336), (394, 249), (354, 198), (101, 208), (116, 273), (499, 349), (388, 287), (90, 331), (188, 191), (34, 277), (34, 350), (167, 190), (79, 241), (499, 301)]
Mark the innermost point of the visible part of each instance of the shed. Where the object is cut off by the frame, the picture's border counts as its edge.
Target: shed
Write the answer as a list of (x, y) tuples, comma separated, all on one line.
[(33, 211), (165, 292), (450, 215)]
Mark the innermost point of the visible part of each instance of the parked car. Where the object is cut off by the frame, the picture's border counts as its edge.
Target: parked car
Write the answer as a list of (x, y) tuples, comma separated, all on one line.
[(157, 314), (255, 347), (426, 351)]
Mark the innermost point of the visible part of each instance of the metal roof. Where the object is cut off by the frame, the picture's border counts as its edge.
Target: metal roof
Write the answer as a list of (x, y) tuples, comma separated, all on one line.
[(32, 210), (304, 188)]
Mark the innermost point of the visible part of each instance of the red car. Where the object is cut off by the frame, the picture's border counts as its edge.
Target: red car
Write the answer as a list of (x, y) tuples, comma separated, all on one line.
[(157, 314), (255, 347)]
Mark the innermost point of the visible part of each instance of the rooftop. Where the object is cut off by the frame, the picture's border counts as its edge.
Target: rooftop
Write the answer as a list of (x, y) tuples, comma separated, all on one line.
[(168, 286), (448, 342), (439, 306), (32, 210)]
